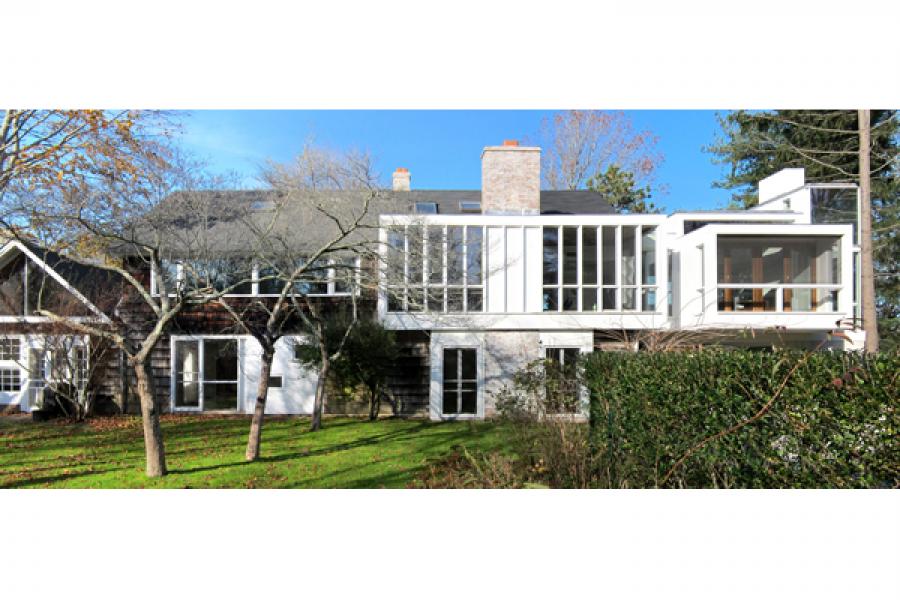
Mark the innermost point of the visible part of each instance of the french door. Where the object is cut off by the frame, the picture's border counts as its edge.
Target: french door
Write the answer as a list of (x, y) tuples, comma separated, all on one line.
[(460, 389), (206, 374)]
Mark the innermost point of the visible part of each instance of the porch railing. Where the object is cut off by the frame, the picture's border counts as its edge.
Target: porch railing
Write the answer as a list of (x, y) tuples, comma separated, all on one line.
[(778, 297)]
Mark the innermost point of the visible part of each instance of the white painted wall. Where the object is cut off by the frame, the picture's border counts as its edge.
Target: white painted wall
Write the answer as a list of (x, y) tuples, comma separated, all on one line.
[(297, 394), (785, 180)]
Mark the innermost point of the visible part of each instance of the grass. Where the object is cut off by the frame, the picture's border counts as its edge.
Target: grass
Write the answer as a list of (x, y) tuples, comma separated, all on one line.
[(208, 452)]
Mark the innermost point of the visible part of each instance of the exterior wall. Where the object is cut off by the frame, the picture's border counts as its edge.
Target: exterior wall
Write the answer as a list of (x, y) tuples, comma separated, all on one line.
[(785, 180), (296, 394)]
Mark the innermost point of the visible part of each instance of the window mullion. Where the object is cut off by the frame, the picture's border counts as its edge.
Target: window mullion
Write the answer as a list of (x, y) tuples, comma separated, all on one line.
[(618, 267), (579, 267), (405, 268), (200, 375), (445, 259), (465, 269), (638, 273), (559, 268)]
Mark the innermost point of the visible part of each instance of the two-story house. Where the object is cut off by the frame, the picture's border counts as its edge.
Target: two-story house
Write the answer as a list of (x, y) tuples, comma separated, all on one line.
[(479, 283)]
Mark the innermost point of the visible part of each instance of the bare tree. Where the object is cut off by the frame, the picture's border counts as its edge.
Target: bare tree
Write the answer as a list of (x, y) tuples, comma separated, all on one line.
[(68, 369), (578, 144), (135, 226), (329, 196)]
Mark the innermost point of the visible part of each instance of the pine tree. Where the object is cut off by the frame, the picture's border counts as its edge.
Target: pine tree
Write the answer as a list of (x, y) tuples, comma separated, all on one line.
[(826, 143)]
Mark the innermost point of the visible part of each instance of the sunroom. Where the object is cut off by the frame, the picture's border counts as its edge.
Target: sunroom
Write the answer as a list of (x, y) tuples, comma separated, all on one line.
[(768, 276)]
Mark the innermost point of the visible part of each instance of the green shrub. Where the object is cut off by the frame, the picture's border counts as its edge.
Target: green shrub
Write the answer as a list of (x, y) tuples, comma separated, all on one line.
[(720, 418)]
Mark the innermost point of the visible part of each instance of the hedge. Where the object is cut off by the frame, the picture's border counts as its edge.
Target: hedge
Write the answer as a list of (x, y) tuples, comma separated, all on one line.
[(745, 419)]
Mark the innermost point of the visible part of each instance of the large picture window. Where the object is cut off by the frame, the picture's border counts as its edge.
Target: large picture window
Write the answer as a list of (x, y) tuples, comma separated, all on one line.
[(599, 268), (435, 268), (769, 274)]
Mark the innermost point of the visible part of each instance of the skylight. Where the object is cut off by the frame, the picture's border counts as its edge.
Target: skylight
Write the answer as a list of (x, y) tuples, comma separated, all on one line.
[(469, 206), (426, 208)]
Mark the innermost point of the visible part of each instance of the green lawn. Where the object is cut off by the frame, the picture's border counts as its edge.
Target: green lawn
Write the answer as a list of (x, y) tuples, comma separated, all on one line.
[(208, 452)]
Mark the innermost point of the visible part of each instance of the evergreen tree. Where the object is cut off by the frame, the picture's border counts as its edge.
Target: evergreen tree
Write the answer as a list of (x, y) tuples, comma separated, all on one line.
[(756, 144), (619, 188)]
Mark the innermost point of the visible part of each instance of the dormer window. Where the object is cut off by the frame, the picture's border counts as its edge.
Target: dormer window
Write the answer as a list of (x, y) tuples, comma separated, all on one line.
[(470, 206), (426, 208)]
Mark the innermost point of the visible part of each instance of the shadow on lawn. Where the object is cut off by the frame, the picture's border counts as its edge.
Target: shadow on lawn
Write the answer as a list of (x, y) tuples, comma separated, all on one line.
[(442, 433), (371, 440), (420, 434)]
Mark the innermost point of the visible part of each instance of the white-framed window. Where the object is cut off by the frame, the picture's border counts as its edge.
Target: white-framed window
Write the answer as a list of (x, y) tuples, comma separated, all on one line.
[(10, 348), (591, 268), (563, 394), (758, 273), (459, 392), (435, 268), (205, 373), (10, 379), (326, 277), (59, 360)]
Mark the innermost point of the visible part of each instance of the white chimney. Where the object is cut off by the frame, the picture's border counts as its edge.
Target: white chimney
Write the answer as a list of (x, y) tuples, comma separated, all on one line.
[(782, 182), (511, 179), (401, 180)]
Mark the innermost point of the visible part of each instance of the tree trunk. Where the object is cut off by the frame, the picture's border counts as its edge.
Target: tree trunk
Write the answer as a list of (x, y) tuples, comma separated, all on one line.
[(262, 390), (867, 267), (153, 441), (374, 404), (320, 394)]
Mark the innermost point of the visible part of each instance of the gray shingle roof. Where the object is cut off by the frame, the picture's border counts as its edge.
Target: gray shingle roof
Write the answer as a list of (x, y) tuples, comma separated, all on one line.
[(217, 220)]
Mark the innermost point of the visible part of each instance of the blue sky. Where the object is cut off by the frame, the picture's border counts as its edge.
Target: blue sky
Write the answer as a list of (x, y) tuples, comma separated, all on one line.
[(441, 149)]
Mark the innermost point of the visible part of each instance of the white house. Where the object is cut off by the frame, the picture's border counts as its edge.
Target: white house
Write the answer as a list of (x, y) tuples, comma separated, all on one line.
[(479, 283), (515, 280)]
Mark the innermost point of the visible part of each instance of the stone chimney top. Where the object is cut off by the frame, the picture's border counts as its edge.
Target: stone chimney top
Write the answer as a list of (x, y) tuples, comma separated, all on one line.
[(401, 179), (511, 179)]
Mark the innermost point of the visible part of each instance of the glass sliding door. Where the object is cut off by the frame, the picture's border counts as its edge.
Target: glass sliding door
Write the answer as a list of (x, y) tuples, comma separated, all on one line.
[(460, 389), (220, 374), (206, 374)]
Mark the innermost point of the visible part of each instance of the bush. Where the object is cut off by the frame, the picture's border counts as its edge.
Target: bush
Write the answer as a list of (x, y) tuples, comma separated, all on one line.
[(540, 412), (719, 418)]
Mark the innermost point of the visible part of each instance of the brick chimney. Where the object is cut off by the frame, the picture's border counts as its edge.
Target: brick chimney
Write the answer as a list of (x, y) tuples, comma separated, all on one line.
[(401, 179), (511, 179)]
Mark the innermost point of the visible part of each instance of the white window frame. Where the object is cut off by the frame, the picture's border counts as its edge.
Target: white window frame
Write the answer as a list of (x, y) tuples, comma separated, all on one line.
[(583, 398), (15, 364), (201, 380), (425, 285), (779, 287), (638, 286), (254, 284), (437, 383)]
